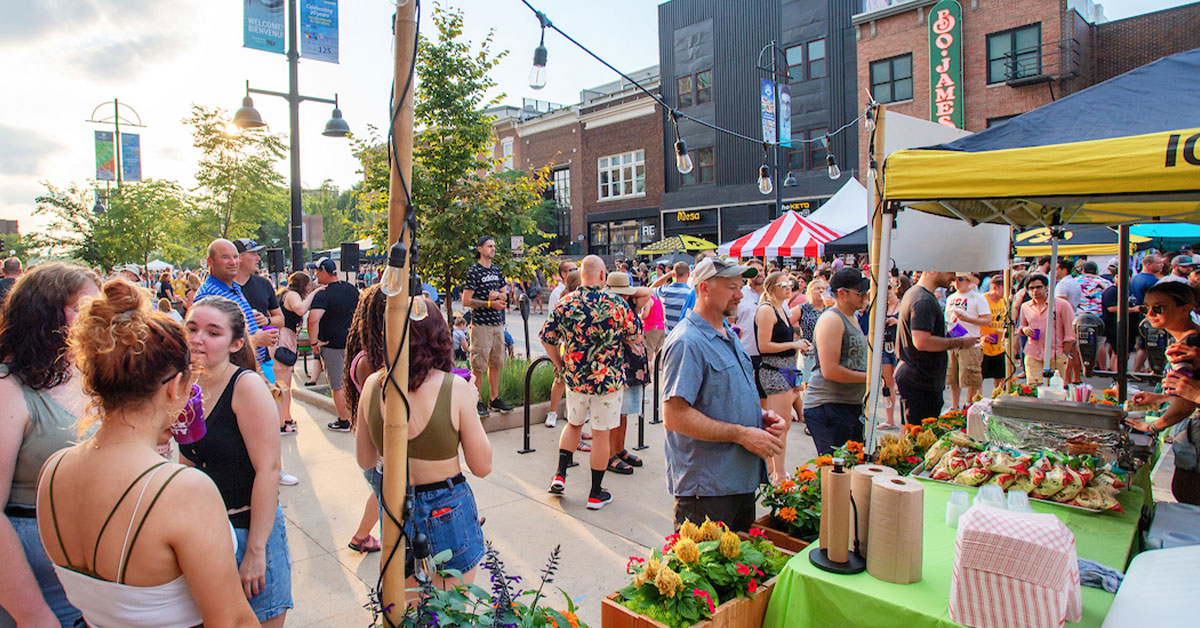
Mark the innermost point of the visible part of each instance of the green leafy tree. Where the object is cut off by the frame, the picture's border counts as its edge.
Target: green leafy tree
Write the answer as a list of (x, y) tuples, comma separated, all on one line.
[(239, 188), (69, 231), (456, 194)]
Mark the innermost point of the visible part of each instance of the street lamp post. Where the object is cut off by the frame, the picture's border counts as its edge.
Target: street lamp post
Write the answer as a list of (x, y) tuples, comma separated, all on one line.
[(247, 117), (135, 121), (776, 75)]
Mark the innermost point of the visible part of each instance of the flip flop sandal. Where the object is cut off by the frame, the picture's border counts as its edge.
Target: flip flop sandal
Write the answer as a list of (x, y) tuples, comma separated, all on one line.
[(616, 465), (584, 447), (365, 546), (586, 436), (629, 458)]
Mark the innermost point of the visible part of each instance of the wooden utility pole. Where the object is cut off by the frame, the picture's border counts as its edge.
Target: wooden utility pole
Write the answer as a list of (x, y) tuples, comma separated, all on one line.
[(395, 421)]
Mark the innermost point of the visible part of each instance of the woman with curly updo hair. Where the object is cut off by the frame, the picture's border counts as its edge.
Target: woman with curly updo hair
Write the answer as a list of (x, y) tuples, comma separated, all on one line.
[(43, 401), (136, 540)]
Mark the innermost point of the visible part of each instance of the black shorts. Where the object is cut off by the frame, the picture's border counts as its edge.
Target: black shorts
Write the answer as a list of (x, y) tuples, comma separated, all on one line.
[(919, 403), (994, 366)]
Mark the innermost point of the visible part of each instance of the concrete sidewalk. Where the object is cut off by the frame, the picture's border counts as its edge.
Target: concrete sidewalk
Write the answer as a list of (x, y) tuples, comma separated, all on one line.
[(330, 582)]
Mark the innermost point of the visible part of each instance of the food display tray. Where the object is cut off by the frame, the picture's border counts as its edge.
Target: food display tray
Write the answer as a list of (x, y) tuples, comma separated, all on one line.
[(921, 473), (1084, 415)]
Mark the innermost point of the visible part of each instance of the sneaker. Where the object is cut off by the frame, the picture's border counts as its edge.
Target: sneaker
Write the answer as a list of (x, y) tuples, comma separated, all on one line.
[(596, 501), (339, 426), (498, 404), (558, 485), (482, 408), (551, 419), (287, 479)]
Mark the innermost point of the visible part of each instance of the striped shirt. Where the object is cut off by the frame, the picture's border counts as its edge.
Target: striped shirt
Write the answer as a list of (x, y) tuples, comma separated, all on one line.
[(213, 287), (673, 296)]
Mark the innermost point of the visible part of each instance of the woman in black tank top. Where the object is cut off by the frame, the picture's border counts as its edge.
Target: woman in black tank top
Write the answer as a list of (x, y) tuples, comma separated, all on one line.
[(240, 452), (294, 300), (777, 374)]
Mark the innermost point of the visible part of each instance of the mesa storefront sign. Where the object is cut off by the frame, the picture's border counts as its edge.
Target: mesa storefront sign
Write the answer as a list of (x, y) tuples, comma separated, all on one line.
[(945, 60), (683, 216)]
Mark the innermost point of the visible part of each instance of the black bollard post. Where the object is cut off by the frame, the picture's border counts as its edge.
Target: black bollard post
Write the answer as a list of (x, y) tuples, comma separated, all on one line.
[(657, 406), (524, 305), (528, 382)]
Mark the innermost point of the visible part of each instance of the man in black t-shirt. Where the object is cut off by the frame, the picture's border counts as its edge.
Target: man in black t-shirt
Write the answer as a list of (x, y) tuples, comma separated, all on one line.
[(921, 375), (485, 292), (328, 324)]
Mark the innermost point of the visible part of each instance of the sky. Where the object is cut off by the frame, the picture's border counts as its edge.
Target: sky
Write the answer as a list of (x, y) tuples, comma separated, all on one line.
[(63, 59)]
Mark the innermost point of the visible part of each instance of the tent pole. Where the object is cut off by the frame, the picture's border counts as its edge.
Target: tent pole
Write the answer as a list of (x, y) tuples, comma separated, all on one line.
[(880, 256), (395, 415), (1051, 280), (1010, 335), (1122, 347)]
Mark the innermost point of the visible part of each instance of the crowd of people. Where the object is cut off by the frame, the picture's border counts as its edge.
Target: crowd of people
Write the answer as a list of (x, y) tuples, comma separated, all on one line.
[(110, 370)]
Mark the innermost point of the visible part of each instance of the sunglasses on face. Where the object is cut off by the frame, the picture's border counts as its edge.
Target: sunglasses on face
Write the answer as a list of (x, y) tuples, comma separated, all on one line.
[(1156, 310)]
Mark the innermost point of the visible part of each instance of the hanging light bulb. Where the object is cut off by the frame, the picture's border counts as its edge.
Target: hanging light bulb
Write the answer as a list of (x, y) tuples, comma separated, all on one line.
[(419, 308), (393, 277), (764, 179), (873, 169), (537, 74), (834, 171), (869, 122), (683, 161), (423, 566)]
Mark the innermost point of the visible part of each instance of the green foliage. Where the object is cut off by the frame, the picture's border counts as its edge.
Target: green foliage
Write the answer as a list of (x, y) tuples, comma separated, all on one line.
[(239, 188), (512, 382)]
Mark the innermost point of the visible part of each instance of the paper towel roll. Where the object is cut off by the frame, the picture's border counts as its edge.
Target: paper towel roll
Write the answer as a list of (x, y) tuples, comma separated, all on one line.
[(896, 527), (835, 493), (860, 491), (823, 530)]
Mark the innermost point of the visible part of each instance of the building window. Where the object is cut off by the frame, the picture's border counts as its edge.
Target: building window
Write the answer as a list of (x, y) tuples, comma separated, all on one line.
[(685, 91), (622, 175), (795, 61), (703, 87), (1014, 53), (704, 170), (796, 152), (816, 149), (991, 122), (816, 58), (891, 79), (562, 187), (506, 145)]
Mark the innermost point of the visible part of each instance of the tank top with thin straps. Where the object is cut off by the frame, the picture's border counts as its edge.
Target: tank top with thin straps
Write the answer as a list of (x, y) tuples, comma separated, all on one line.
[(222, 454), (439, 439), (104, 603), (781, 332)]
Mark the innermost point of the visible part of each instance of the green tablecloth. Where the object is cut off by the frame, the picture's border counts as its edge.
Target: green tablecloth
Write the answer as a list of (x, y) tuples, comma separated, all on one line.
[(807, 596)]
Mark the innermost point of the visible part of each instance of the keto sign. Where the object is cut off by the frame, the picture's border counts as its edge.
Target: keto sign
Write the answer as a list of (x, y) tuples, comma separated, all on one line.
[(945, 60)]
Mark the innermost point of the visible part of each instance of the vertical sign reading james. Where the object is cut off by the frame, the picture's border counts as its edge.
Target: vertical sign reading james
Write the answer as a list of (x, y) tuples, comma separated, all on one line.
[(945, 61)]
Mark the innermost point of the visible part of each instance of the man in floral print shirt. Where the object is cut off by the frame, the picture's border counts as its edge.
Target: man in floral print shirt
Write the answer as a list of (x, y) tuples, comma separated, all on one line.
[(583, 338)]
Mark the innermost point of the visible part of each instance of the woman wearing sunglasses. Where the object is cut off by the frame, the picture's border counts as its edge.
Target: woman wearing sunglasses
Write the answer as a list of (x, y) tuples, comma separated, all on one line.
[(1169, 306)]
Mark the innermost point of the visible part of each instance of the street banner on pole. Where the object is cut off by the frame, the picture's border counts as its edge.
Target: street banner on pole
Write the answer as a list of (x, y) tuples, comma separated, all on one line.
[(319, 30), (785, 115), (131, 157), (265, 21), (768, 110), (106, 163)]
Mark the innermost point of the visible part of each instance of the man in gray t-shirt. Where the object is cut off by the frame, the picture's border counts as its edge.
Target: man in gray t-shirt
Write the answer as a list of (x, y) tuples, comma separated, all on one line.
[(717, 437), (833, 403)]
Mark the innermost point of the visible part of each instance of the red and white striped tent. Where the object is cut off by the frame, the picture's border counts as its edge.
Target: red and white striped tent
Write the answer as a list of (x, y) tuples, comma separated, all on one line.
[(790, 235)]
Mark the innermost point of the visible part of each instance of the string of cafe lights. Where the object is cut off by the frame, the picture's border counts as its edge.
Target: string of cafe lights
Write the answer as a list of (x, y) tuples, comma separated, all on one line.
[(683, 161)]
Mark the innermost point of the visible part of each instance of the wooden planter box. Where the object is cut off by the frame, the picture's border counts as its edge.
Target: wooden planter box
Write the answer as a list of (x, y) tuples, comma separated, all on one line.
[(743, 612), (779, 537)]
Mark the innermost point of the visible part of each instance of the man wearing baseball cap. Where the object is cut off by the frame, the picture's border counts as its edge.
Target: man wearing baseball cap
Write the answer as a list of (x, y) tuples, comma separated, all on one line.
[(485, 292), (833, 403), (718, 438), (328, 324), (1181, 267)]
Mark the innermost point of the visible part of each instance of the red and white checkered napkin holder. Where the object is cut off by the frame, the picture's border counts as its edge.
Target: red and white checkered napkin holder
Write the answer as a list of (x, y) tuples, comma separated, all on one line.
[(1014, 570)]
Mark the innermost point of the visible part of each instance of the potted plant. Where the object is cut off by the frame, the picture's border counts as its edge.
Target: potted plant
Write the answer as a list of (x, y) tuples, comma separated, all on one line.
[(795, 505), (704, 576)]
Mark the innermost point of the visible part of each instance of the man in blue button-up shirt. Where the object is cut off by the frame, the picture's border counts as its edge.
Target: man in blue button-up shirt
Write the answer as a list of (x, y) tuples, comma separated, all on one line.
[(718, 438)]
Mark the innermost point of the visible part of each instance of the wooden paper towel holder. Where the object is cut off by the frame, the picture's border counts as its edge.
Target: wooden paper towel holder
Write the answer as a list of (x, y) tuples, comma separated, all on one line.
[(855, 563)]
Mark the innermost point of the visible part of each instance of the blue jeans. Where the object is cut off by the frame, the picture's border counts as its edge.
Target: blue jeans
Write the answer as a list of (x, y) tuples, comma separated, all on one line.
[(832, 424), (276, 598), (43, 570)]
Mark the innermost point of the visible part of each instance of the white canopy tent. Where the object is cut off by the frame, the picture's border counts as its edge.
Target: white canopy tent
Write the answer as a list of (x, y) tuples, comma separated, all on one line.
[(846, 211), (159, 265)]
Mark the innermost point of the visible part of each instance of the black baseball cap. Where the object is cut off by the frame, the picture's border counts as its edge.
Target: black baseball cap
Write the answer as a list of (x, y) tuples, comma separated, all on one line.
[(246, 245), (327, 265), (850, 278)]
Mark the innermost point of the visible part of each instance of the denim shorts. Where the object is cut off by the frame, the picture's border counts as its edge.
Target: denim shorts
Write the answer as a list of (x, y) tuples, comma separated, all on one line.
[(888, 358), (276, 598), (455, 528), (43, 571), (631, 402)]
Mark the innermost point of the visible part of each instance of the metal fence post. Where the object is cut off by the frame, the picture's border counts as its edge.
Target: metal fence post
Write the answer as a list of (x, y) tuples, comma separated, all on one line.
[(528, 383)]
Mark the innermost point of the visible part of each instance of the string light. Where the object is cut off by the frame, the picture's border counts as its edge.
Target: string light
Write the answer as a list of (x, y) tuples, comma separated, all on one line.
[(764, 179), (873, 169), (537, 74), (869, 120), (683, 161)]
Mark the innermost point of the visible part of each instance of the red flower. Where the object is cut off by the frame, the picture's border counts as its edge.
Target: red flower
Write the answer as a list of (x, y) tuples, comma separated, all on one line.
[(633, 560), (758, 533), (753, 586), (670, 542), (702, 594), (912, 460), (743, 570)]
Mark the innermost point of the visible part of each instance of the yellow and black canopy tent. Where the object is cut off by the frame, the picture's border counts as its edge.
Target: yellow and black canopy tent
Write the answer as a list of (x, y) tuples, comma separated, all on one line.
[(1121, 152), (677, 243), (1084, 240)]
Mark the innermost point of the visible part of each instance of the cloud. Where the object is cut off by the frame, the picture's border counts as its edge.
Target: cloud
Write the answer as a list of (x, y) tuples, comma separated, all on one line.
[(22, 150), (124, 59), (27, 21)]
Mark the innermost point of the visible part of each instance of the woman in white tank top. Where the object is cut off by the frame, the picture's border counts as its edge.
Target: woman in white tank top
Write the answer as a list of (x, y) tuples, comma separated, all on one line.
[(136, 541)]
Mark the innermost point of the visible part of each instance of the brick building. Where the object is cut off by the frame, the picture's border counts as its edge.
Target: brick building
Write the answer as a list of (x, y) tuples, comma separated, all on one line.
[(1016, 55)]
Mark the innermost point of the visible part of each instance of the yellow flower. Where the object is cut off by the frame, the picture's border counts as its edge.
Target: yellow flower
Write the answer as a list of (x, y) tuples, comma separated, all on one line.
[(653, 566), (709, 531), (668, 582), (731, 545), (787, 513), (926, 439), (640, 578), (686, 550), (689, 531)]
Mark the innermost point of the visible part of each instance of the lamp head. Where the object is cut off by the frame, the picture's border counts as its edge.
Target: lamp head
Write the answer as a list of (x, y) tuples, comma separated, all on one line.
[(336, 127), (247, 117)]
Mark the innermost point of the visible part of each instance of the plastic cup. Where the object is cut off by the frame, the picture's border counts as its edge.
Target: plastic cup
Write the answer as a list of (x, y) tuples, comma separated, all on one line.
[(991, 495), (994, 338), (957, 331), (189, 426), (1018, 501), (1037, 334), (955, 507)]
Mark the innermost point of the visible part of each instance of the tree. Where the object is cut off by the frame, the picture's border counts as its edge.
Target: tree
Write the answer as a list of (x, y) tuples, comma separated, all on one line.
[(456, 196), (239, 188)]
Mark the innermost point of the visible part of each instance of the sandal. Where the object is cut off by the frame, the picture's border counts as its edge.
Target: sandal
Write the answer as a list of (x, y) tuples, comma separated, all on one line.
[(629, 458), (586, 436), (584, 447), (365, 546), (616, 465)]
